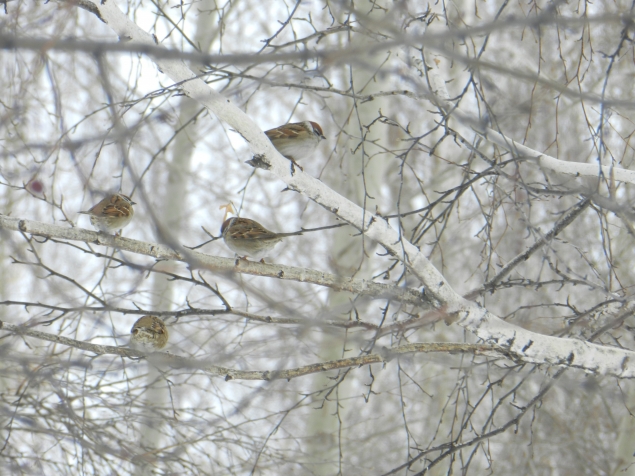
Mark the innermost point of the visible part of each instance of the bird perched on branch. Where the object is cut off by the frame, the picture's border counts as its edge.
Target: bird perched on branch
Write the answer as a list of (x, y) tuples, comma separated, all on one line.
[(296, 140), (149, 333), (247, 237), (111, 214)]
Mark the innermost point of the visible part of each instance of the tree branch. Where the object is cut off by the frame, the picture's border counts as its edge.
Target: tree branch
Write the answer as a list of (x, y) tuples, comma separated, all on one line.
[(533, 347), (198, 260), (162, 359)]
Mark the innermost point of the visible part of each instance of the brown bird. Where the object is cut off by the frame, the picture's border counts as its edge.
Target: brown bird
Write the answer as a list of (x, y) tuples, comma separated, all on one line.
[(112, 213), (149, 333), (296, 140), (247, 237)]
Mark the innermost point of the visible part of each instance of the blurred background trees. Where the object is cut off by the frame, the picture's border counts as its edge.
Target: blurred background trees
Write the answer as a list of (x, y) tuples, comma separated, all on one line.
[(79, 121)]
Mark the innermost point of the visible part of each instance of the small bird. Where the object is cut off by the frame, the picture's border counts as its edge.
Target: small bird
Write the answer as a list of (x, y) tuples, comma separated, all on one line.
[(149, 334), (247, 237), (296, 140), (112, 213)]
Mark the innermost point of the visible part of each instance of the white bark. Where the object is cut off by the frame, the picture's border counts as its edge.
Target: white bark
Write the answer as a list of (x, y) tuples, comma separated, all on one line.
[(529, 346), (203, 261), (468, 126)]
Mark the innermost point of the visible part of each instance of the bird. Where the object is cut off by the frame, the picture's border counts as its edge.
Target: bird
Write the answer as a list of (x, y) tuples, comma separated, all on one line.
[(296, 140), (247, 237), (111, 214), (149, 333)]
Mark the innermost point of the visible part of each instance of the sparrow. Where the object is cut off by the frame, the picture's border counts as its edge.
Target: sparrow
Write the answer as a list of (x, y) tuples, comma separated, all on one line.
[(247, 237), (296, 140), (112, 213), (148, 333)]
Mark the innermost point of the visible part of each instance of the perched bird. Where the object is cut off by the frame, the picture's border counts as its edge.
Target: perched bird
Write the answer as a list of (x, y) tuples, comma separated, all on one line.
[(112, 213), (148, 333), (247, 237), (296, 140)]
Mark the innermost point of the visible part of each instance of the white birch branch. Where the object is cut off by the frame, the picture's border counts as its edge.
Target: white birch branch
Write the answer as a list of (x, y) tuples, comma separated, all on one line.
[(533, 347), (198, 260), (468, 125), (164, 359)]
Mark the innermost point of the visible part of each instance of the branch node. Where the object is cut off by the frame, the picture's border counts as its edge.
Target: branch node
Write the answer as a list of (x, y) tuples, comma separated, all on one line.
[(259, 161)]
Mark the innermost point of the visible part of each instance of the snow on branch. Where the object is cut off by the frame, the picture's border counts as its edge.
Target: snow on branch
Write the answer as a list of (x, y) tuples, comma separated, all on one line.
[(166, 359), (198, 260), (529, 346), (467, 125)]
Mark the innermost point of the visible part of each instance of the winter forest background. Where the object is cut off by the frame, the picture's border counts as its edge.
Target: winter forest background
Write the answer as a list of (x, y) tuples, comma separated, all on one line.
[(470, 313)]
